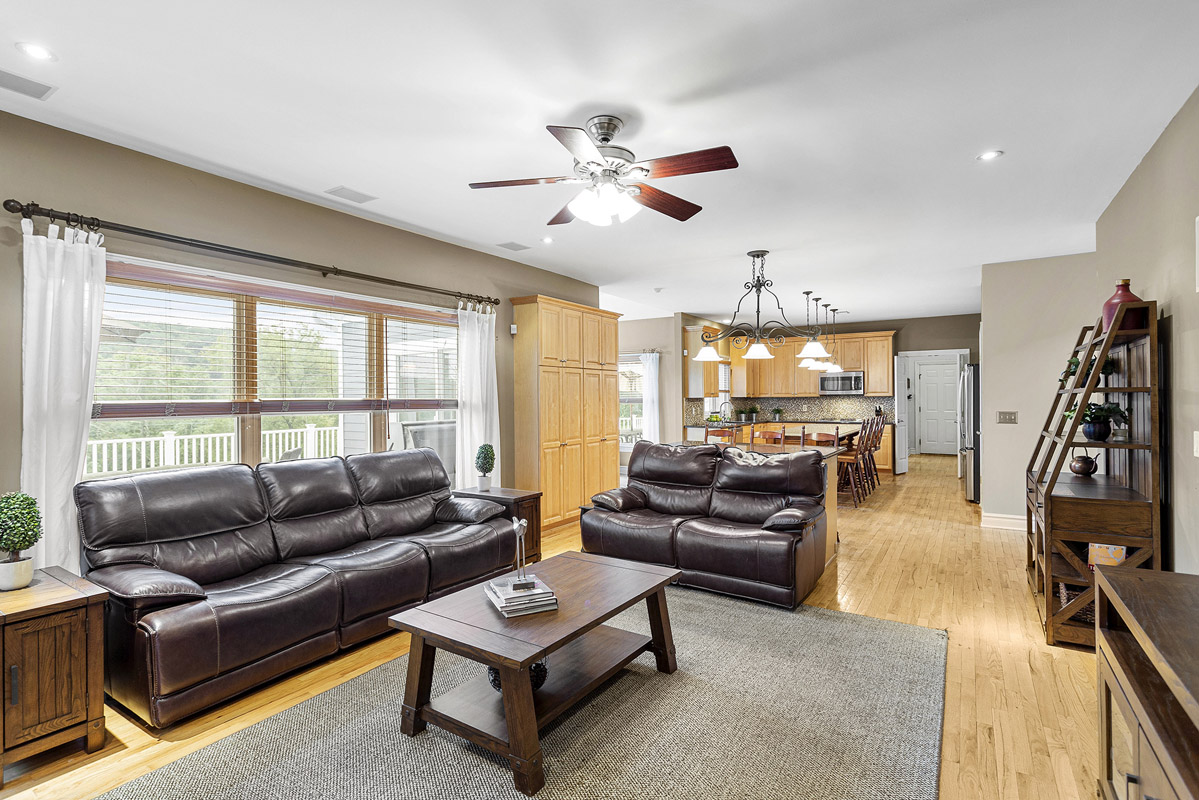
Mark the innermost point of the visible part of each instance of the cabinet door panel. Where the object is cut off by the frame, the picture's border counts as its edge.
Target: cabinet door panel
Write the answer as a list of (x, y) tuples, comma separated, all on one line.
[(46, 658), (807, 381), (594, 479), (572, 337), (784, 370), (549, 326), (610, 405), (610, 469), (610, 350), (883, 458), (879, 366), (572, 480), (551, 484), (570, 408), (593, 345), (549, 404), (593, 405), (849, 354)]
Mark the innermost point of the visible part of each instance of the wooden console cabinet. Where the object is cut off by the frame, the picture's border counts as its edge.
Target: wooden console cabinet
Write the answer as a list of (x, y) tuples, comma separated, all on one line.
[(53, 646), (517, 503), (1147, 651)]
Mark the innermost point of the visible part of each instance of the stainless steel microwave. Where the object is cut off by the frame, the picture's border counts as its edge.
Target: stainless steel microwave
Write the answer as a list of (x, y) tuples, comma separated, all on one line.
[(843, 383)]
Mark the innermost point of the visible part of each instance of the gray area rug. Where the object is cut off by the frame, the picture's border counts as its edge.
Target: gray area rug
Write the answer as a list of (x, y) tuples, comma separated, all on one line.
[(766, 704)]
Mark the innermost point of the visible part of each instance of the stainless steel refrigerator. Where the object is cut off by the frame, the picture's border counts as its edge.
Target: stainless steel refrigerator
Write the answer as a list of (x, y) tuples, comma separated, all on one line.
[(970, 429)]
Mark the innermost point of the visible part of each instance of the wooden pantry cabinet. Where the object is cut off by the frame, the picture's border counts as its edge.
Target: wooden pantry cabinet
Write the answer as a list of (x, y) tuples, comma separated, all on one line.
[(566, 403)]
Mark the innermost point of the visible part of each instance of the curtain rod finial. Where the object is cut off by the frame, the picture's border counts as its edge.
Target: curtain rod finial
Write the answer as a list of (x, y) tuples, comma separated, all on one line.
[(13, 206)]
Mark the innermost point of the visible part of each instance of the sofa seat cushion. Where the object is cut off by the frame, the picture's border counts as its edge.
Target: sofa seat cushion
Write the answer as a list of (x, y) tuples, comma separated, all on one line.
[(638, 535), (739, 549), (375, 575), (460, 553), (241, 620)]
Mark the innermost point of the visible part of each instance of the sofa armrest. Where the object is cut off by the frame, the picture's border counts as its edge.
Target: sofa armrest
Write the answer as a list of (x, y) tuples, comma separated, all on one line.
[(142, 586), (793, 519), (624, 498), (467, 509)]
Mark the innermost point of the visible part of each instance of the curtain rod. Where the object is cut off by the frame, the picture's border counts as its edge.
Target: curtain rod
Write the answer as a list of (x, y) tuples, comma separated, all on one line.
[(28, 210)]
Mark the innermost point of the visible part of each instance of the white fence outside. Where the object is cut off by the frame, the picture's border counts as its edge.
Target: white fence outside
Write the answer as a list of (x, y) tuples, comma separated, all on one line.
[(119, 456)]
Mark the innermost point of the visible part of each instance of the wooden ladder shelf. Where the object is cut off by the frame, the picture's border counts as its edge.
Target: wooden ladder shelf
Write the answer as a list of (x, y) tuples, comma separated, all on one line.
[(1066, 513)]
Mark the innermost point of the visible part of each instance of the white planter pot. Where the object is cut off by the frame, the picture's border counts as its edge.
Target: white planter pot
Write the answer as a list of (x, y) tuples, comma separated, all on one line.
[(15, 574), (484, 483)]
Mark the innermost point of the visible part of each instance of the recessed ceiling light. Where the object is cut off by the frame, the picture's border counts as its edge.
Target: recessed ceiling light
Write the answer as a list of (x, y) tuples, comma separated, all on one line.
[(36, 51), (547, 240), (990, 155)]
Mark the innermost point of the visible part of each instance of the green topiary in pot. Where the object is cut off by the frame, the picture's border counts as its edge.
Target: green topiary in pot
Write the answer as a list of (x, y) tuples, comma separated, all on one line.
[(20, 529), (485, 463)]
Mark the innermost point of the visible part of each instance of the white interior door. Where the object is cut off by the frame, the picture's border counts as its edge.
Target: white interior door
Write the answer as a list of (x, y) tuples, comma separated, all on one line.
[(900, 440), (937, 407)]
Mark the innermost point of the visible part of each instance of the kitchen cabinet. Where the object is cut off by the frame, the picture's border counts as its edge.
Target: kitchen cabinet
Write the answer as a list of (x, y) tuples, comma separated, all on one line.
[(702, 377), (885, 457), (567, 403), (879, 366), (850, 354), (807, 381), (783, 370)]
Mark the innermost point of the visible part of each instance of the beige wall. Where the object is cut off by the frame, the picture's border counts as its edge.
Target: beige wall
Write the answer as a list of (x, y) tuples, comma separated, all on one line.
[(953, 332), (1147, 234), (74, 173), (643, 334), (1032, 312)]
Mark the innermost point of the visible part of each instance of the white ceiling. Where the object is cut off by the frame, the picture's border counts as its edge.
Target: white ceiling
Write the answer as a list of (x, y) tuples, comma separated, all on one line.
[(856, 124)]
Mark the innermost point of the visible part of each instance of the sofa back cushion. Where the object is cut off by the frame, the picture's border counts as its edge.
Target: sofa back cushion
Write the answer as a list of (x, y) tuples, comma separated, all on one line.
[(399, 489), (752, 486), (208, 524), (676, 479), (313, 506)]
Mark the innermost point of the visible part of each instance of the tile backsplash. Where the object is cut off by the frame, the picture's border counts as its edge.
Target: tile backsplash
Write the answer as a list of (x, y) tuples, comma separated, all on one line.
[(824, 407)]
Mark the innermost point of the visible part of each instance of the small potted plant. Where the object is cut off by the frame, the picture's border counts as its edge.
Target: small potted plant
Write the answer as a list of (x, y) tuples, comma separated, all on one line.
[(1097, 420), (20, 529), (742, 416), (485, 463), (777, 413), (753, 413)]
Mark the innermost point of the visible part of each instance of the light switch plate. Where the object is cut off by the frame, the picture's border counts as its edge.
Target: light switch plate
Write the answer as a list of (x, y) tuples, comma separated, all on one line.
[(513, 329), (1007, 417)]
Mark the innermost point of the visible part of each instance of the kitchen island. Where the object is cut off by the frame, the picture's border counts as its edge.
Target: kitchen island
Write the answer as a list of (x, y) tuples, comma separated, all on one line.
[(830, 486)]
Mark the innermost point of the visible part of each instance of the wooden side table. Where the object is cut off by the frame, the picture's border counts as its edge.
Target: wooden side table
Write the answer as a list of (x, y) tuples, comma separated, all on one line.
[(53, 648), (519, 503)]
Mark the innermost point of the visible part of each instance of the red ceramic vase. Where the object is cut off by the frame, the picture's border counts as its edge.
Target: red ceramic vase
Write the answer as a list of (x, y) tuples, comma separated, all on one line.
[(1133, 320)]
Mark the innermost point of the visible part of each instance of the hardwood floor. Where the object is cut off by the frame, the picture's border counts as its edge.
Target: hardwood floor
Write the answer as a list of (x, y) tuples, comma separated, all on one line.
[(1020, 719)]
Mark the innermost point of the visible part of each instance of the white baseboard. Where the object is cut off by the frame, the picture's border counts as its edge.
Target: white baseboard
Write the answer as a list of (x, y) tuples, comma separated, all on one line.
[(1007, 522)]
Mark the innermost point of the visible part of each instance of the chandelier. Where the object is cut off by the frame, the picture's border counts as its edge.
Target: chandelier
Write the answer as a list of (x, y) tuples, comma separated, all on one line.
[(758, 338)]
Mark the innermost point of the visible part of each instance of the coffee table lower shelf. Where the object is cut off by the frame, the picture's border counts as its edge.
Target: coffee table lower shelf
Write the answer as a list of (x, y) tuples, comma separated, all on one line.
[(475, 710)]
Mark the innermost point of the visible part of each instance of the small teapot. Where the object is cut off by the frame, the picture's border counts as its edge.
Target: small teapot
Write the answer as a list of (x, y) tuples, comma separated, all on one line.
[(1083, 465)]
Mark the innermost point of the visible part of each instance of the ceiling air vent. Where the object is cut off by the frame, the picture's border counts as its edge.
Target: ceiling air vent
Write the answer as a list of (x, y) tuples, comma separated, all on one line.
[(25, 86), (353, 195), (515, 247)]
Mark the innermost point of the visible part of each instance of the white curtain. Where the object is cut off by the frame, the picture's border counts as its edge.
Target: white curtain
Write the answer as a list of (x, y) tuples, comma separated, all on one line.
[(649, 397), (63, 306), (478, 395)]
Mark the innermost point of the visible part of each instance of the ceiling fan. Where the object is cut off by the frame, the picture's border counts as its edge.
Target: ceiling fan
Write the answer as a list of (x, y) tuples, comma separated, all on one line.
[(613, 176)]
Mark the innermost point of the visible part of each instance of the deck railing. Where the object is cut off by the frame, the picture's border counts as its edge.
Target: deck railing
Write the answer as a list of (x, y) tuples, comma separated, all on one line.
[(169, 449)]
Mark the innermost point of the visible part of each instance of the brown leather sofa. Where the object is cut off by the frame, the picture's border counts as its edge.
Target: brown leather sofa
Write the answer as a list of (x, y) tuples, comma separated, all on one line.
[(739, 523), (222, 578)]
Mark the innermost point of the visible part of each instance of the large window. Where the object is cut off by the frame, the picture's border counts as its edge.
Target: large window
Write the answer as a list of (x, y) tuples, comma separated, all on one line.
[(632, 397), (206, 369)]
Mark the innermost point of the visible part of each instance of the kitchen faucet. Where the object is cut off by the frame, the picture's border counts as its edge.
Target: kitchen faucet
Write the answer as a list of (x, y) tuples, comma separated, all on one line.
[(720, 411)]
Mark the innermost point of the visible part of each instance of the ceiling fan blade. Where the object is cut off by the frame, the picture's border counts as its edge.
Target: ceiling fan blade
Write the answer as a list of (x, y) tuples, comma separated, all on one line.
[(666, 203), (710, 160), (563, 216), (579, 143), (522, 182)]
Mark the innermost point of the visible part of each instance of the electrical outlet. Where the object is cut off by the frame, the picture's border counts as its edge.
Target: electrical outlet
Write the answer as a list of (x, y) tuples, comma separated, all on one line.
[(805, 410), (1007, 417)]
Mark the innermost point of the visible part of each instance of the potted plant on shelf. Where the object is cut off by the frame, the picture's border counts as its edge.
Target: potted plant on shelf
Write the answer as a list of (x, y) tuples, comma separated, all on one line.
[(1097, 419), (485, 463), (20, 529), (753, 413), (777, 413)]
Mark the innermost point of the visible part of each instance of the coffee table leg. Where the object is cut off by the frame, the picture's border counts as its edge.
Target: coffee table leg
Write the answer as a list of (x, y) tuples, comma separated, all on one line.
[(418, 685), (523, 746), (659, 627)]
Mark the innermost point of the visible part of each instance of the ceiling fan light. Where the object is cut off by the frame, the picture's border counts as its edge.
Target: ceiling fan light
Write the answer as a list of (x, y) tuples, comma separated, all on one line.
[(707, 353), (604, 204), (758, 350), (813, 349)]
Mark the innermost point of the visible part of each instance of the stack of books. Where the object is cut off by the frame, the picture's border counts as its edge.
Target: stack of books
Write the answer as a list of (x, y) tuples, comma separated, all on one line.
[(518, 602)]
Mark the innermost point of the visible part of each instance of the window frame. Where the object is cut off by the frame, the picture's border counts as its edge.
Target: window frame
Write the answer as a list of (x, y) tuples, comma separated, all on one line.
[(245, 404)]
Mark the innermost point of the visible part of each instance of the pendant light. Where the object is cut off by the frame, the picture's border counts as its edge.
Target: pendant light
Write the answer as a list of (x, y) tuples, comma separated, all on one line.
[(812, 348), (833, 366)]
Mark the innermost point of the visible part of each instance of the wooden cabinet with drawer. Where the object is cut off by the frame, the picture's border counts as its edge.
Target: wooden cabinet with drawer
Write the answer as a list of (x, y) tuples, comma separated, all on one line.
[(53, 640)]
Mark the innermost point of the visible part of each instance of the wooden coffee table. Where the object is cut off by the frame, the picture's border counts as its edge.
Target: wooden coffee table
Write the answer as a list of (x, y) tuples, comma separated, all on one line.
[(591, 589)]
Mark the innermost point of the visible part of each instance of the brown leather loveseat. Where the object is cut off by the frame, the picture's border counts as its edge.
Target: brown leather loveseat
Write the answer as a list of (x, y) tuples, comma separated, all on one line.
[(222, 578), (740, 523)]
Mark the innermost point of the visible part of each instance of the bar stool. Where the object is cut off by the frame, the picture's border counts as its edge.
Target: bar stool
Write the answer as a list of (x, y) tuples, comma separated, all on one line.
[(724, 434)]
